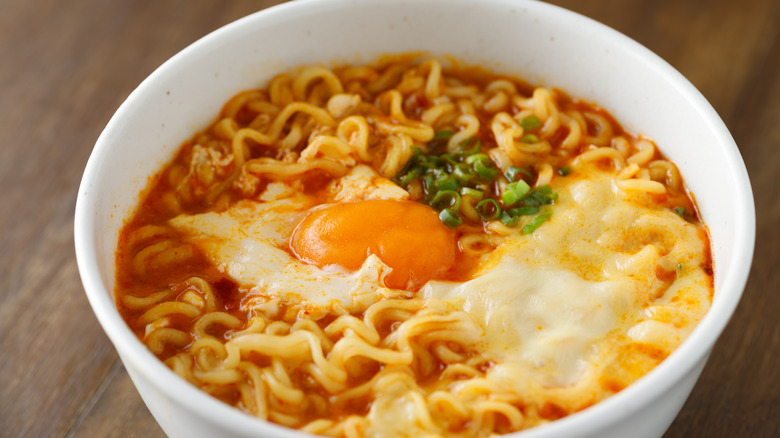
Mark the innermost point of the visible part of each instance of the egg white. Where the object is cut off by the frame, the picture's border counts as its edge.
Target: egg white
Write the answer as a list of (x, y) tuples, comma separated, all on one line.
[(249, 242)]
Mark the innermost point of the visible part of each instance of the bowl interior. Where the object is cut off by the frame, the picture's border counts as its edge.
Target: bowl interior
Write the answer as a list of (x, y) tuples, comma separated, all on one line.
[(542, 44)]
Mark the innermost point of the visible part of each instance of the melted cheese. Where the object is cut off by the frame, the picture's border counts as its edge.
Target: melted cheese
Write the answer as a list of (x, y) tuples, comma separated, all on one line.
[(545, 318), (555, 303)]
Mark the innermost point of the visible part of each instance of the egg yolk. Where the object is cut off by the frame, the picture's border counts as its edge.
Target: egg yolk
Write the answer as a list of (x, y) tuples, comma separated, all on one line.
[(407, 236)]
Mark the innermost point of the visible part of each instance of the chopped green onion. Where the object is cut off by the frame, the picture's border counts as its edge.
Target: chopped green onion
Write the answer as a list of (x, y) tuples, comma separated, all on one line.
[(446, 182), (446, 177), (431, 161), (531, 226), (474, 193), (428, 183), (450, 218), (563, 171), (477, 146), (681, 211), (514, 192), (530, 122), (473, 158), (544, 189), (450, 159), (509, 220), (679, 268), (530, 138), (463, 173), (537, 198), (523, 211), (485, 171), (532, 201), (438, 172), (541, 198), (488, 209), (446, 199), (408, 178), (511, 173)]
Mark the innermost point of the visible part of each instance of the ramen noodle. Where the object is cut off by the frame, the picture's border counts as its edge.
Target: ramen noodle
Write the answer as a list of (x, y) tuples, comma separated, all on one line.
[(413, 248)]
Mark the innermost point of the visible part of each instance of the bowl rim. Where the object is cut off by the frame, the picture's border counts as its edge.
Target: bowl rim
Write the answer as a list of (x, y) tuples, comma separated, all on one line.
[(649, 387)]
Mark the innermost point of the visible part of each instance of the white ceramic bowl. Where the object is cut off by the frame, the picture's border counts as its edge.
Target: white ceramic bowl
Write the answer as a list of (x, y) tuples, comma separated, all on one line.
[(543, 44)]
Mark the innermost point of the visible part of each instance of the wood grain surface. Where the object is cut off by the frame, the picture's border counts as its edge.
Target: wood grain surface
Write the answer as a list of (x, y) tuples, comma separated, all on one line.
[(66, 66)]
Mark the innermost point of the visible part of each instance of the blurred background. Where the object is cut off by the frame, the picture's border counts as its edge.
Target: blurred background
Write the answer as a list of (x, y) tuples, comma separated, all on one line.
[(65, 67)]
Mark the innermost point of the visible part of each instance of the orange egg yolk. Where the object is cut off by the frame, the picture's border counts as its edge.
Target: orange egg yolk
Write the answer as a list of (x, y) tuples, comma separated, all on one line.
[(407, 236)]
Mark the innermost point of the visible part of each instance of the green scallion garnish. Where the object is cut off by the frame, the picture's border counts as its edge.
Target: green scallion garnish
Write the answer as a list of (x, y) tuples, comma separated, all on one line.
[(445, 177), (464, 173), (514, 192), (450, 159), (427, 182), (509, 220), (446, 199), (407, 178), (474, 193), (473, 158), (563, 171), (530, 138), (450, 217), (545, 189), (485, 170), (530, 122), (477, 146), (523, 211), (531, 226), (488, 209), (445, 182), (540, 196), (513, 172)]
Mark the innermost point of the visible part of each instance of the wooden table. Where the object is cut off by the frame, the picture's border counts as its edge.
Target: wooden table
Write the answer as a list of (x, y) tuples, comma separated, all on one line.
[(66, 66)]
